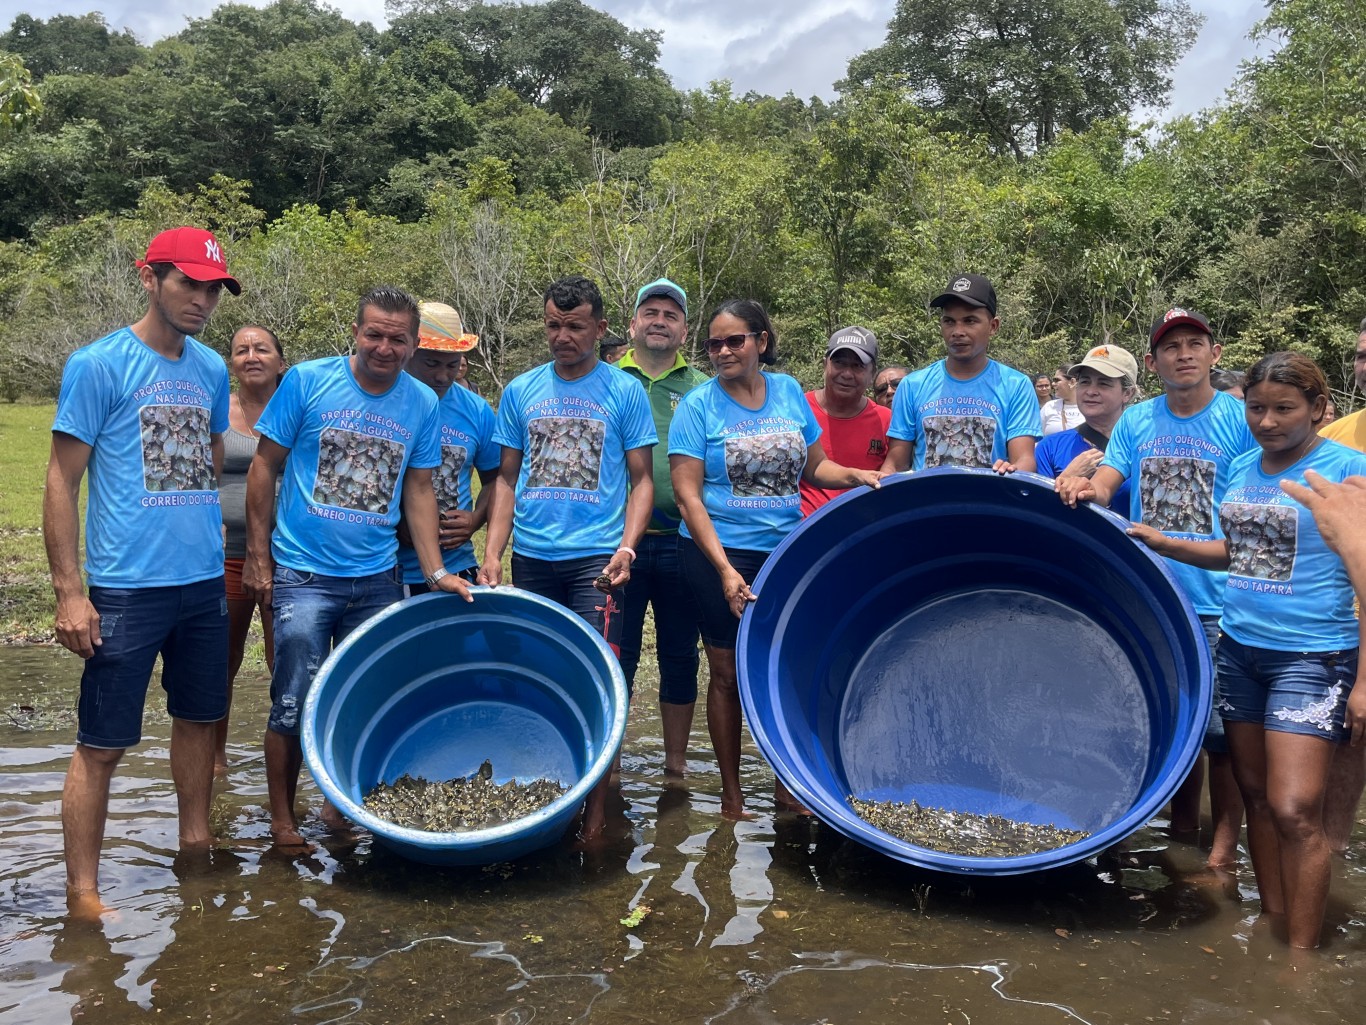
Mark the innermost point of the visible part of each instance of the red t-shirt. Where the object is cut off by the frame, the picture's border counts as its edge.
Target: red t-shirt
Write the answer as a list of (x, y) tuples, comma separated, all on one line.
[(859, 442)]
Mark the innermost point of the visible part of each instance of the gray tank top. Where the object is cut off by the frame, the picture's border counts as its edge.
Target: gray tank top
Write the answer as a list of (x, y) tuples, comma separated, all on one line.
[(238, 451)]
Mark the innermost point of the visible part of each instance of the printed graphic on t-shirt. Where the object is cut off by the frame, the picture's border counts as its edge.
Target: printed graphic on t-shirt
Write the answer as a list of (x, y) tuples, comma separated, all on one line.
[(1261, 539), (765, 465), (565, 452), (176, 454), (1177, 493), (959, 440), (356, 471), (446, 478)]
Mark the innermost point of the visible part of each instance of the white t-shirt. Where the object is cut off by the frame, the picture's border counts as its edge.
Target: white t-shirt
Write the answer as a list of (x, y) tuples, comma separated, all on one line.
[(1060, 416)]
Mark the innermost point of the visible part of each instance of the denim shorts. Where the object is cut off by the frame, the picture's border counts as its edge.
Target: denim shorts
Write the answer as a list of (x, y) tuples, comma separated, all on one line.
[(720, 628), (1215, 741), (187, 625), (657, 580), (1301, 692), (569, 582), (313, 614)]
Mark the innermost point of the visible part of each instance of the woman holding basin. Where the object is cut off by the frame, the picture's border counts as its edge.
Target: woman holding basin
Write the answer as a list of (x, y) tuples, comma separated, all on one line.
[(1289, 644), (738, 445)]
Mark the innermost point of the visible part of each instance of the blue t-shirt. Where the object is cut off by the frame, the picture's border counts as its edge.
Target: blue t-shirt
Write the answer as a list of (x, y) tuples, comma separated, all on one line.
[(466, 425), (1054, 452), (1286, 589), (152, 516), (342, 485), (573, 436), (964, 423), (1181, 465), (752, 459)]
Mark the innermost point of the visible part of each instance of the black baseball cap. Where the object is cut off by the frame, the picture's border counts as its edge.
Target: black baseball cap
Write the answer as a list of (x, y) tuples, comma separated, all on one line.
[(972, 289)]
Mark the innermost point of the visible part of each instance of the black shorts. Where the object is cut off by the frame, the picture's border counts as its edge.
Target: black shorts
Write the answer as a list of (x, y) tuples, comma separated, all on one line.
[(720, 626)]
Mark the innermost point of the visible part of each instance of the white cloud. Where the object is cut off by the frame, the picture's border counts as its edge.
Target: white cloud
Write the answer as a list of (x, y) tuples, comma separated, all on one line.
[(769, 46)]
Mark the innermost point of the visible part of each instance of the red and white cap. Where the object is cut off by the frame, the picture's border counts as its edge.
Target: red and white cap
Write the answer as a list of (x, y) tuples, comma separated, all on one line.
[(195, 253)]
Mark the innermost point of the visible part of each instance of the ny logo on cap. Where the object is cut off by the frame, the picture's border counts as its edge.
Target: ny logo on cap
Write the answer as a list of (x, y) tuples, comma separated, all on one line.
[(962, 285), (1173, 314), (212, 252)]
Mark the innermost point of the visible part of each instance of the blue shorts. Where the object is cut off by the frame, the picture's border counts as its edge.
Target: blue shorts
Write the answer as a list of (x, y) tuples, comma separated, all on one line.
[(720, 628), (1301, 692), (569, 582), (1215, 742), (313, 614), (187, 625)]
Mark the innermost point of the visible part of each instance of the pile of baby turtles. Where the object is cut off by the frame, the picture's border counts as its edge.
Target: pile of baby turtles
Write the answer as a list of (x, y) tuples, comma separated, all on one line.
[(356, 471), (1177, 494), (961, 832), (565, 452), (765, 465), (1261, 539), (459, 804), (175, 449), (959, 440)]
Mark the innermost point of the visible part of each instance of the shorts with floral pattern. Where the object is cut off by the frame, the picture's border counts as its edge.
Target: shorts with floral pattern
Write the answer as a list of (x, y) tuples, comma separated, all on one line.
[(1287, 691)]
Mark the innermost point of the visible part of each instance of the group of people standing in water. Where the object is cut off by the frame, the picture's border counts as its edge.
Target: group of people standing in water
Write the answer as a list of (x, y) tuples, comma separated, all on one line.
[(321, 493)]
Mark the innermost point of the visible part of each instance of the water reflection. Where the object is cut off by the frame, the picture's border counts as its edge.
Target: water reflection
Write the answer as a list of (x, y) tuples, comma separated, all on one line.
[(772, 920)]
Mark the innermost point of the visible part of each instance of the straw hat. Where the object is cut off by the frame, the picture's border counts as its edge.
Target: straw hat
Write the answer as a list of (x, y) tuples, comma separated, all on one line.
[(441, 328)]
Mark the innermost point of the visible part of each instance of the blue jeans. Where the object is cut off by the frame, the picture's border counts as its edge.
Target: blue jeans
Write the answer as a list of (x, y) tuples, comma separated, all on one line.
[(313, 614), (187, 625), (1301, 692), (569, 582), (657, 579)]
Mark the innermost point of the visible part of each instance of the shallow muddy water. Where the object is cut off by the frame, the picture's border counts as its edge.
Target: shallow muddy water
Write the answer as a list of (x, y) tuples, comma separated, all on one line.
[(773, 921)]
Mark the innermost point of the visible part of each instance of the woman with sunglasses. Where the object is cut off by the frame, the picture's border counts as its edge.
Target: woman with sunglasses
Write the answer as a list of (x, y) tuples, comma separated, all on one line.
[(1289, 644), (738, 445)]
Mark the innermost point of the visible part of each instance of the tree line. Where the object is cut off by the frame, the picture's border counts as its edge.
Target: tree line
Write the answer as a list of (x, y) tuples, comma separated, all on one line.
[(473, 151)]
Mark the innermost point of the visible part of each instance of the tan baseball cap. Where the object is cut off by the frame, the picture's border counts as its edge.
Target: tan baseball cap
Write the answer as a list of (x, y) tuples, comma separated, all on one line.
[(1109, 360)]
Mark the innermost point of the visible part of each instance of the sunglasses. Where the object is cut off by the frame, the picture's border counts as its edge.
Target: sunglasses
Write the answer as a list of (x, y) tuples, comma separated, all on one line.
[(732, 342)]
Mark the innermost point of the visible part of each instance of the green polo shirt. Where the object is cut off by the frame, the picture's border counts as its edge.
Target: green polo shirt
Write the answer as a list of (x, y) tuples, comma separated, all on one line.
[(664, 394)]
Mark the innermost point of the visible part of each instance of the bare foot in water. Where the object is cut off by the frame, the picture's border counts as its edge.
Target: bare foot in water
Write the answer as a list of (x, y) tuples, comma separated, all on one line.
[(287, 838), (735, 811), (784, 801), (86, 906), (335, 821)]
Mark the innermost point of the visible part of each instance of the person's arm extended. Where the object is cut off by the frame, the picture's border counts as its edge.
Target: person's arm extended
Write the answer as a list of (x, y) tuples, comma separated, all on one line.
[(500, 506), (1201, 554), (1020, 453), (77, 622), (419, 509), (1339, 511), (828, 475), (258, 567), (899, 456), (1100, 488), (640, 468), (688, 474)]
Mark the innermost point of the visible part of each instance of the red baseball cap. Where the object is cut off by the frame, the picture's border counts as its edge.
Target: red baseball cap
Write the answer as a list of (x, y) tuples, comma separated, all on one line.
[(195, 253)]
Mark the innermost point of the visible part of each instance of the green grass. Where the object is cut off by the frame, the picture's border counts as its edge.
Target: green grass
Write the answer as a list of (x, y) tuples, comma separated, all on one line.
[(26, 602)]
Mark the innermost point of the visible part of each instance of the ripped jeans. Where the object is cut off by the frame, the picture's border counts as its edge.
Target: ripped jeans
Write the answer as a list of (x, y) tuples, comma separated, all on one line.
[(313, 614)]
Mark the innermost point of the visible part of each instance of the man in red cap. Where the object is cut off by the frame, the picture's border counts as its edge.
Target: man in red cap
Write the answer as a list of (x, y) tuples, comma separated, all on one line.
[(144, 410)]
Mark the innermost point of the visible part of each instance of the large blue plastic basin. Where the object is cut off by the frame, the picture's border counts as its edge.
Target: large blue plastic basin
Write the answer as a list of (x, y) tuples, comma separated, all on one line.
[(966, 641), (435, 685)]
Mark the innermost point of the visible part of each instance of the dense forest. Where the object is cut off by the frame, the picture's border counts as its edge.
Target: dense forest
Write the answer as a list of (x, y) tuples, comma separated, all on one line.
[(472, 151)]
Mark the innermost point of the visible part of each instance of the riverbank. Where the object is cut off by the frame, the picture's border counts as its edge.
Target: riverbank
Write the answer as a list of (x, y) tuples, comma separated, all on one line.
[(25, 589)]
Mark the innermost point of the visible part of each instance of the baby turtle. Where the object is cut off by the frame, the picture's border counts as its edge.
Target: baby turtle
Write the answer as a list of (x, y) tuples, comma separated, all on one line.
[(960, 832), (603, 584)]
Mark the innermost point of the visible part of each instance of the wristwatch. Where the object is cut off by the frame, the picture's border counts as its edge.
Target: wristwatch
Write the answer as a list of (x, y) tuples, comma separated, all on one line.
[(432, 578)]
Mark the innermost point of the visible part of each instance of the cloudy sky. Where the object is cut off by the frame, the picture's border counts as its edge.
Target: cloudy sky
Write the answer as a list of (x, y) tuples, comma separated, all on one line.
[(770, 46)]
